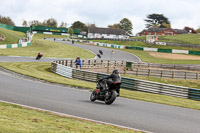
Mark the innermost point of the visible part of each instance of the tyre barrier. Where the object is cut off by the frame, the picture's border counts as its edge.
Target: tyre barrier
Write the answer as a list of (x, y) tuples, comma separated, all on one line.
[(15, 45)]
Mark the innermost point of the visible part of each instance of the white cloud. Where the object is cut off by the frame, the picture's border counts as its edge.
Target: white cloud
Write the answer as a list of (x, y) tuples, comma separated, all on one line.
[(103, 12)]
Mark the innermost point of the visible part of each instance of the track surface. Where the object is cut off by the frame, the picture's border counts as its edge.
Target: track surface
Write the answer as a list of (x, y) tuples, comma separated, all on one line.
[(131, 113), (107, 53)]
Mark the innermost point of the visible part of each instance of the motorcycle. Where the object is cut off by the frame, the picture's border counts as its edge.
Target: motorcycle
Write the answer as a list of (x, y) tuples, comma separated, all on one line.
[(103, 94), (39, 56)]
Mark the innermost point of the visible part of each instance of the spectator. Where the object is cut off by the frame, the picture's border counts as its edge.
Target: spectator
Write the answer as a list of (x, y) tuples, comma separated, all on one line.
[(78, 62)]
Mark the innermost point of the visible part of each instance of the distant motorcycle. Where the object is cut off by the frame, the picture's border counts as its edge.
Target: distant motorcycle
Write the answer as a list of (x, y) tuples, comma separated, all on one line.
[(39, 56), (107, 95)]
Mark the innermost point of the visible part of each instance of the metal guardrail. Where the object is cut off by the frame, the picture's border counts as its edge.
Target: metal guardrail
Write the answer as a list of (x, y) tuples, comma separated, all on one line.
[(128, 83)]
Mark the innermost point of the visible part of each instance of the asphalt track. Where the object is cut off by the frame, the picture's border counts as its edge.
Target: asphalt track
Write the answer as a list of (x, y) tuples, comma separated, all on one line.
[(130, 113), (107, 53)]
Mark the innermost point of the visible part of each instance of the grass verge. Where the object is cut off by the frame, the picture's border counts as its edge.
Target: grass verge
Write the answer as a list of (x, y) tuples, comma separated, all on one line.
[(42, 71), (49, 49), (11, 36), (17, 119), (42, 36)]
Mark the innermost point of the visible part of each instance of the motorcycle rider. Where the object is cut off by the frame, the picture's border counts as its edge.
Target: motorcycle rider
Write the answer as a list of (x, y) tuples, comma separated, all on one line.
[(115, 77), (40, 54)]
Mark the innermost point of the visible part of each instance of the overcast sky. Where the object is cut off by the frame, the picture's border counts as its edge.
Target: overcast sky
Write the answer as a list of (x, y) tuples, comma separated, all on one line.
[(180, 13)]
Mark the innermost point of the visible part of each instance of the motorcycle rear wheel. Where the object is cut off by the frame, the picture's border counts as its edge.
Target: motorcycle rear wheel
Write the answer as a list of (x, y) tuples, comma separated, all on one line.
[(111, 97)]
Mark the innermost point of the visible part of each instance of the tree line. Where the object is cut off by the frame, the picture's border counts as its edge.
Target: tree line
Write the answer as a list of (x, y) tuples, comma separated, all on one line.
[(152, 21)]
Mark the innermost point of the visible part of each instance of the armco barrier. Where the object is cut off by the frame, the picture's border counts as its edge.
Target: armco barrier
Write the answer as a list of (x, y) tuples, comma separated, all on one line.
[(129, 83)]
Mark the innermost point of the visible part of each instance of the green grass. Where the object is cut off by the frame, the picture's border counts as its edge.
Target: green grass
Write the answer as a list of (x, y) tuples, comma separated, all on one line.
[(16, 119), (42, 36), (181, 38), (49, 49), (42, 71), (12, 37)]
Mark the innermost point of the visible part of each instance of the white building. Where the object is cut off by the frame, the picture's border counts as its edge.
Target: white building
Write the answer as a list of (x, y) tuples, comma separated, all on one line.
[(95, 32)]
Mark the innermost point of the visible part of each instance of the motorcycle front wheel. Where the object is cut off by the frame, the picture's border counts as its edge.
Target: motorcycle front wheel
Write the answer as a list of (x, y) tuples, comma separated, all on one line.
[(93, 96), (110, 97)]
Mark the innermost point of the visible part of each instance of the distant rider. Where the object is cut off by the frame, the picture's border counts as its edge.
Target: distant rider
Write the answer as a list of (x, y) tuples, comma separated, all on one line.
[(39, 56)]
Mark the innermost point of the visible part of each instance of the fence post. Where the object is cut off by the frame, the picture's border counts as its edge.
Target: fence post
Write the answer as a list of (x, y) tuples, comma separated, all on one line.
[(108, 67), (197, 76), (137, 72), (161, 75), (71, 63), (66, 63), (95, 63), (173, 74), (124, 70), (185, 75), (149, 73), (83, 63), (89, 63)]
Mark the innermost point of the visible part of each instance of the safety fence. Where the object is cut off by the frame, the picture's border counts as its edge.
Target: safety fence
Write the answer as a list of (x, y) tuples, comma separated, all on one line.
[(167, 66), (164, 73), (138, 69), (24, 44), (128, 83)]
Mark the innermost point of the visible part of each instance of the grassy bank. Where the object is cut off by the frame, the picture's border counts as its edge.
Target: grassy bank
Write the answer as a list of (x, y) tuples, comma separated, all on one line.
[(16, 119), (49, 49), (181, 38), (42, 71), (42, 36), (12, 37)]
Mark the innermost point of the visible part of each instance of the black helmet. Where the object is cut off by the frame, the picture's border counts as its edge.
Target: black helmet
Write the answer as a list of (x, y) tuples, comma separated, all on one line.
[(115, 71)]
